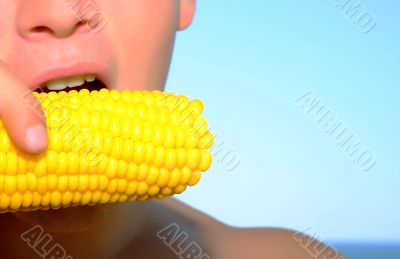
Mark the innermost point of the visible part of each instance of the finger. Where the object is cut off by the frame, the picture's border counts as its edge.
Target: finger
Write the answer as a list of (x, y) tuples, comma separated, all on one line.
[(21, 113)]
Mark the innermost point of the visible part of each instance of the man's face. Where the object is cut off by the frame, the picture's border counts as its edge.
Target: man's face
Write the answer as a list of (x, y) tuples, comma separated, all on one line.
[(125, 43)]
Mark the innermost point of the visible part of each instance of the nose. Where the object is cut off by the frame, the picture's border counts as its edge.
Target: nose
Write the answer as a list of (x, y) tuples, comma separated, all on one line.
[(46, 17)]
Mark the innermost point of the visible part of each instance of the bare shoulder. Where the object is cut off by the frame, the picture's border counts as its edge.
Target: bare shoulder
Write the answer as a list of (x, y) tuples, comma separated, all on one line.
[(275, 243), (222, 241)]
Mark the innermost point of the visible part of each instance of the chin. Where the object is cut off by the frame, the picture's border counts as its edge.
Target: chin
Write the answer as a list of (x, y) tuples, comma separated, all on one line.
[(68, 220)]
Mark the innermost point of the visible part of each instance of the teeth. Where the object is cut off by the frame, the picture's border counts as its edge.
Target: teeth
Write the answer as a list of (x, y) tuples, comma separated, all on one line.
[(75, 81), (57, 85), (90, 78)]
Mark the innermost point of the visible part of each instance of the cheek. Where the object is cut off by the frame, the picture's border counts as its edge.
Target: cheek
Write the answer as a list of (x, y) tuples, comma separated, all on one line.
[(144, 34), (6, 30)]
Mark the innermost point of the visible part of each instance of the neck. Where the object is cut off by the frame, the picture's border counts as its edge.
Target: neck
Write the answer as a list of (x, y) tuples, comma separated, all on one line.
[(89, 232)]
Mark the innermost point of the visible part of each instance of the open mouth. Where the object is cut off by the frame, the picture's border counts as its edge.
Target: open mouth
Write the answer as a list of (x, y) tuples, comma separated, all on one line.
[(77, 83)]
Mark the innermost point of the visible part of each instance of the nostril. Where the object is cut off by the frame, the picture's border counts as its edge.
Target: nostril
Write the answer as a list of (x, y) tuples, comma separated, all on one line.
[(60, 31), (38, 29), (56, 25), (81, 23)]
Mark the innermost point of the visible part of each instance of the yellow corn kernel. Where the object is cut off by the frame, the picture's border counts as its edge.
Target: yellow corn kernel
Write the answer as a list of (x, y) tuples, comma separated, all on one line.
[(107, 146), (118, 148), (62, 183), (52, 161), (55, 199), (66, 198), (114, 197), (206, 141), (142, 188), (103, 182), (149, 153), (143, 197), (73, 182), (36, 199), (52, 182), (127, 153), (4, 201), (21, 165), (12, 163), (186, 174), (1, 183), (45, 201), (205, 160), (41, 168), (179, 189), (147, 131), (42, 184), (170, 159), (180, 157), (163, 178), (96, 197), (76, 198), (83, 182), (93, 182), (112, 186), (105, 197), (95, 121), (122, 169), (193, 158), (86, 197), (160, 196), (166, 191), (10, 184), (154, 190), (112, 168), (195, 178), (138, 152), (16, 201), (122, 197), (73, 163), (27, 200), (142, 172), (3, 162), (159, 156), (152, 175), (32, 182), (22, 183), (5, 143), (84, 165), (174, 178), (122, 185), (131, 189), (62, 163)]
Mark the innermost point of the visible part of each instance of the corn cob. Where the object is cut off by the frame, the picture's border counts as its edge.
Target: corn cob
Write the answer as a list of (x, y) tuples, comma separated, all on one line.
[(107, 146)]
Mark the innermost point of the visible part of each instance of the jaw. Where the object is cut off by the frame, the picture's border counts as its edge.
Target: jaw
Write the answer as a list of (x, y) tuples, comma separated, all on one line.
[(67, 220)]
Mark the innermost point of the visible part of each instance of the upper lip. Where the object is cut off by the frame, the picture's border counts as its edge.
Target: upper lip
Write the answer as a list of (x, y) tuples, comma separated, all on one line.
[(99, 70)]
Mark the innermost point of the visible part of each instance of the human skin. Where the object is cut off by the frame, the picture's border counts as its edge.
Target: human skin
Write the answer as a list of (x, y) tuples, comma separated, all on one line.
[(43, 39)]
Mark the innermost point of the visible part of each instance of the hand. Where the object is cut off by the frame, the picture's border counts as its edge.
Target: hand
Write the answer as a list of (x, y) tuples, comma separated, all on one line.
[(21, 113)]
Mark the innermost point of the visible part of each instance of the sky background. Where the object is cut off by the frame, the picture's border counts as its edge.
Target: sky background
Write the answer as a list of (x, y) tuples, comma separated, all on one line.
[(248, 61)]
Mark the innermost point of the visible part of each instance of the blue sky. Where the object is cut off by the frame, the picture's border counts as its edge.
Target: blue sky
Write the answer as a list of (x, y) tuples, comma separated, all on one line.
[(248, 61)]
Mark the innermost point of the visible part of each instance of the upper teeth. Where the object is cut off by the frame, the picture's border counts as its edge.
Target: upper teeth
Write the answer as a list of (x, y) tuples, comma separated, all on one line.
[(74, 81)]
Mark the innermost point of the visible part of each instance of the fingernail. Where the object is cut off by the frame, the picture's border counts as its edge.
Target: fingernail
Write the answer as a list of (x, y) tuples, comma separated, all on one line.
[(36, 138)]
